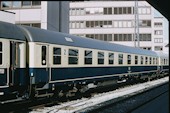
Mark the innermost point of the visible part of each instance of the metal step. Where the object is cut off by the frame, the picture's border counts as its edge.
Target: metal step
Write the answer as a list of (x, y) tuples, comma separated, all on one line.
[(11, 101), (39, 89), (44, 95)]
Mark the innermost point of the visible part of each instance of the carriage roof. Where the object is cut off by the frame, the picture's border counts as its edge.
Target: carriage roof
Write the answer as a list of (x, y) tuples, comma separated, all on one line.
[(10, 31), (53, 37)]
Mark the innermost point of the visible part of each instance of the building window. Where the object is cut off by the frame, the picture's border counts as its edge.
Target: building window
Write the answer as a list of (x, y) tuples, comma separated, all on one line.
[(56, 55), (36, 3), (6, 4), (26, 3), (122, 24), (120, 59), (158, 40), (111, 58), (98, 24), (73, 56), (158, 24), (103, 37), (100, 57), (158, 48), (122, 10), (1, 53), (122, 37), (19, 4), (16, 4), (129, 59), (145, 37), (144, 10), (87, 57), (146, 48), (145, 23), (93, 11), (158, 32), (38, 25), (107, 10)]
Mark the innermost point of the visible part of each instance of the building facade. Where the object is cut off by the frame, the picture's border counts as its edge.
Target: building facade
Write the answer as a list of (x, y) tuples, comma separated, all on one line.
[(6, 16), (51, 15), (114, 21)]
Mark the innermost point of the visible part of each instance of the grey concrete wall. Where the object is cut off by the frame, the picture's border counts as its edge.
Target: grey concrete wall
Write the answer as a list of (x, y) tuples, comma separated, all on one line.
[(65, 16), (58, 16)]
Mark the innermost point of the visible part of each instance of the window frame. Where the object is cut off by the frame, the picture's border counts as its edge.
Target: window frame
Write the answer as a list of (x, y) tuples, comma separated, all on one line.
[(129, 59), (120, 59), (73, 57), (111, 58), (1, 53), (100, 57), (43, 55), (136, 60), (57, 55), (87, 57)]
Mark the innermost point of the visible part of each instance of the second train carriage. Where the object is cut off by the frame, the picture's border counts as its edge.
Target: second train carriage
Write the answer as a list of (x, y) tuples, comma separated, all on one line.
[(41, 62), (63, 62)]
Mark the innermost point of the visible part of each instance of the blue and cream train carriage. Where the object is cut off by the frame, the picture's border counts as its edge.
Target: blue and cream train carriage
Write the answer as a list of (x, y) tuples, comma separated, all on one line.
[(36, 62)]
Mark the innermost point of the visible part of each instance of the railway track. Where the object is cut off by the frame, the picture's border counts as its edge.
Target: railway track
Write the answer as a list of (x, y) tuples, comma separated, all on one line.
[(67, 104)]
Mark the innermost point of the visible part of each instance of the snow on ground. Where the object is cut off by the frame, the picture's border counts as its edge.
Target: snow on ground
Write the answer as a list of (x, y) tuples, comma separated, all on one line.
[(76, 105)]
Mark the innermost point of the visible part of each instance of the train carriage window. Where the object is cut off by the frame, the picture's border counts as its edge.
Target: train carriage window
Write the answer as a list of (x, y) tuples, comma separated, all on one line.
[(162, 60), (136, 59), (0, 53), (156, 60), (111, 58), (141, 59), (153, 60), (87, 57), (120, 59), (44, 52), (73, 56), (146, 60), (129, 59), (56, 55), (100, 57), (150, 60)]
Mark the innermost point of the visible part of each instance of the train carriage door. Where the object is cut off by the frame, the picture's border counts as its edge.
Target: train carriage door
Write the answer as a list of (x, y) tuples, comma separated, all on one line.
[(45, 64), (17, 63)]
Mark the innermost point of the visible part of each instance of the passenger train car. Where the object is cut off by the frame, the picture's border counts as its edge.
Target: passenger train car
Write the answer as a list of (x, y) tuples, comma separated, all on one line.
[(38, 63)]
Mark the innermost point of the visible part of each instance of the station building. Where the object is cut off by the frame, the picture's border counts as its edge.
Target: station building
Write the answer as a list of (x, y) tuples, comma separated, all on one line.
[(114, 21), (51, 15), (6, 16)]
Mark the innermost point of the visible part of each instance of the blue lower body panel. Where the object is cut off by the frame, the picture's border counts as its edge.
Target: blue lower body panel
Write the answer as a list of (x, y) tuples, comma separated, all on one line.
[(10, 83), (20, 76), (3, 77), (72, 73), (42, 75)]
